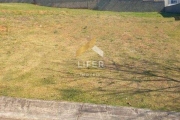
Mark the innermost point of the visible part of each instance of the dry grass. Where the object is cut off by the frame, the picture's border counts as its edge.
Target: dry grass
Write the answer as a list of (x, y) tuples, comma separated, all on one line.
[(142, 56)]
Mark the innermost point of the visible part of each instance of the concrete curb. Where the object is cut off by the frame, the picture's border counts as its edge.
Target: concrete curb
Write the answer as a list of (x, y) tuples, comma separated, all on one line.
[(26, 109)]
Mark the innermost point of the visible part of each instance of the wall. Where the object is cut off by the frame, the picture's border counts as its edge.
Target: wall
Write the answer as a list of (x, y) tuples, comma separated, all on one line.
[(16, 1), (110, 5), (133, 6)]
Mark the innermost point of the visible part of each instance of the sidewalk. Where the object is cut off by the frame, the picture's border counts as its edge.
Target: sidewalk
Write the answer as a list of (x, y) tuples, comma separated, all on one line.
[(26, 109)]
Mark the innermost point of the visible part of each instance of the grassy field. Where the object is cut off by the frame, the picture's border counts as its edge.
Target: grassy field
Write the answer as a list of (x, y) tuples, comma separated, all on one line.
[(141, 56)]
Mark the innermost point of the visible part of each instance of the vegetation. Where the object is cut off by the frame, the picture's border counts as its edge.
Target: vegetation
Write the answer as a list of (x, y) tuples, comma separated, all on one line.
[(141, 56)]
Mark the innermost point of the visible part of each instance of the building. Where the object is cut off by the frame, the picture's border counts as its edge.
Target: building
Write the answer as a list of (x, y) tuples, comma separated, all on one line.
[(171, 2)]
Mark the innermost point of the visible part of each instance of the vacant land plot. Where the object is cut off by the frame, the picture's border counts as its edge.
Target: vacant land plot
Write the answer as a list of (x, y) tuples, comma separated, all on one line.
[(141, 56)]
